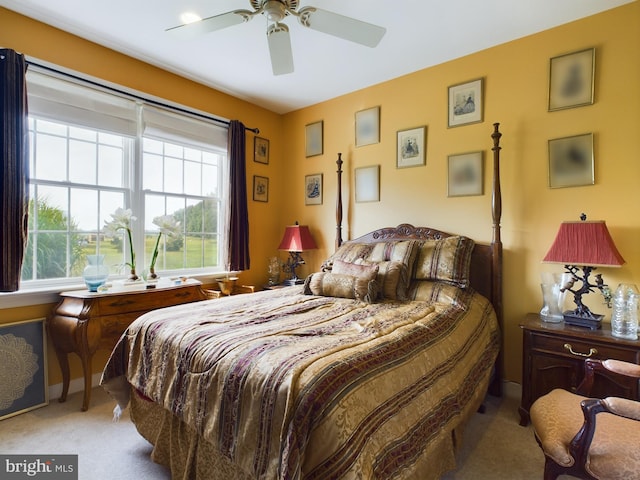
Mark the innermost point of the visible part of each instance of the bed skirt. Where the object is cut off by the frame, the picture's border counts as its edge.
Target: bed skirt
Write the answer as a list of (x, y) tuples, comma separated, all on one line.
[(188, 457)]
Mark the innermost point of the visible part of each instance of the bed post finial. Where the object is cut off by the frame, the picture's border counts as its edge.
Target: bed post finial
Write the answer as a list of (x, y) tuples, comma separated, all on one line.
[(339, 203)]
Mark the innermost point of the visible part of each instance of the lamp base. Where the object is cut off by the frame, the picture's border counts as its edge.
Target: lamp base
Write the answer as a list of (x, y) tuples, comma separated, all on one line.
[(593, 323), (293, 281)]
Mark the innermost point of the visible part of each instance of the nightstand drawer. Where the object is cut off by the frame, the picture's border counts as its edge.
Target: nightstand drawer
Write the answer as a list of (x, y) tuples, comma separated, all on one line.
[(580, 349)]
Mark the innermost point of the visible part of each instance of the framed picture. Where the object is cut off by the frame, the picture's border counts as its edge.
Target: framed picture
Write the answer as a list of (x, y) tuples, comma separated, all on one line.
[(313, 136), (367, 181), (411, 147), (465, 103), (23, 353), (260, 150), (368, 126), (466, 174), (571, 80), (313, 189), (260, 189), (571, 161)]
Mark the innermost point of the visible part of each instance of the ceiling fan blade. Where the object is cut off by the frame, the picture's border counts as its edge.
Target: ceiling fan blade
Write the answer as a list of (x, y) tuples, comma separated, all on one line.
[(211, 24), (340, 26), (280, 49)]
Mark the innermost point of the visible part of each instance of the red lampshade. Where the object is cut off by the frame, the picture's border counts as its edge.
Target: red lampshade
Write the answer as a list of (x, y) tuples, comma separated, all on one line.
[(297, 238), (586, 243)]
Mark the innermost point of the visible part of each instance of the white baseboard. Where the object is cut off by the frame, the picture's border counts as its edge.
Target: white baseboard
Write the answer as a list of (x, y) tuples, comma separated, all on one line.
[(75, 385)]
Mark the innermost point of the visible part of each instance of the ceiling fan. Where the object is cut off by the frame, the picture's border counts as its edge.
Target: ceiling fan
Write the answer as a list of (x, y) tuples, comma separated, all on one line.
[(275, 11)]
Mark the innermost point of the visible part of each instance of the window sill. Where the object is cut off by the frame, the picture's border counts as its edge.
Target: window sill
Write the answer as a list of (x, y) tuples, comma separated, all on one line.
[(44, 295)]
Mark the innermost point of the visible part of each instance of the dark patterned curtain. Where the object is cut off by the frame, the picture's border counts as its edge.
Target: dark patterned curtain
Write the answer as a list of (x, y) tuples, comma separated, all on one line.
[(238, 239), (14, 174)]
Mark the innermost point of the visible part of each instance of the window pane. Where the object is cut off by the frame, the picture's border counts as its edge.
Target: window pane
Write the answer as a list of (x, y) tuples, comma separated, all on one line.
[(110, 166), (82, 162), (210, 250), (51, 157), (210, 180), (194, 251), (152, 172), (173, 175), (52, 208), (51, 255), (83, 210), (192, 178)]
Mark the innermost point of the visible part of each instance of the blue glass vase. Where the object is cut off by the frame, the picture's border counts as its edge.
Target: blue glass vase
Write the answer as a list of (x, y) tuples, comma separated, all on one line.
[(96, 273)]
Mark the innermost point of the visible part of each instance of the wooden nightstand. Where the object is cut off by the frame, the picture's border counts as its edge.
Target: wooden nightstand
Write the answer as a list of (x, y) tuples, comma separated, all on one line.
[(553, 357)]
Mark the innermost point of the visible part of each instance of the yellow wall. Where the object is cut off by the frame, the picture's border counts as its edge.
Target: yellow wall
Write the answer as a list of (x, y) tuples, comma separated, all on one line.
[(48, 44), (516, 87)]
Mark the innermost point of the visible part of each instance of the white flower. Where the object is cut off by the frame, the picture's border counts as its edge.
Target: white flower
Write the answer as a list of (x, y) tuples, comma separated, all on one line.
[(122, 221), (168, 225)]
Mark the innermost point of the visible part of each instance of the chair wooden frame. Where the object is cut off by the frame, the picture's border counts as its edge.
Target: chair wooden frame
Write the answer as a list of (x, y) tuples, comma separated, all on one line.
[(591, 407)]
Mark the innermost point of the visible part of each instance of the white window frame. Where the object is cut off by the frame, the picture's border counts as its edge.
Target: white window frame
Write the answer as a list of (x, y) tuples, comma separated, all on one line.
[(169, 119)]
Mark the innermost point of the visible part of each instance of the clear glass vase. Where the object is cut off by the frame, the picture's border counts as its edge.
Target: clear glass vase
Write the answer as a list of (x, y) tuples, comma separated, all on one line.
[(95, 274), (553, 297), (624, 317)]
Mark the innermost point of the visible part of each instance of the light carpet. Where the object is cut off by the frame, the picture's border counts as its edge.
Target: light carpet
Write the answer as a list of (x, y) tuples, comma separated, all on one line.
[(495, 446)]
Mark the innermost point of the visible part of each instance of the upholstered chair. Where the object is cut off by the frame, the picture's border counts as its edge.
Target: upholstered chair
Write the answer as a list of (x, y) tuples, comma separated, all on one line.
[(589, 438)]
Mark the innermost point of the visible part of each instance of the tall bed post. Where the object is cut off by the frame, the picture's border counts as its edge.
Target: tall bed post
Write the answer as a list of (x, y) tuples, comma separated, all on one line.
[(496, 257), (339, 203)]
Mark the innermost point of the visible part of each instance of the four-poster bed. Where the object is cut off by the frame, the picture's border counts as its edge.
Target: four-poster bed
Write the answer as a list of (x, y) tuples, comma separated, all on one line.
[(368, 370)]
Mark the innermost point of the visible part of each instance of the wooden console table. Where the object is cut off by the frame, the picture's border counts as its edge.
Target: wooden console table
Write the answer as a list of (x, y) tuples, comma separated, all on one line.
[(84, 322)]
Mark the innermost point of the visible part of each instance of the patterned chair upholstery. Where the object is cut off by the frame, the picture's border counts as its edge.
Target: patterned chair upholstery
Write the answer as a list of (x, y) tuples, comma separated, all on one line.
[(589, 438)]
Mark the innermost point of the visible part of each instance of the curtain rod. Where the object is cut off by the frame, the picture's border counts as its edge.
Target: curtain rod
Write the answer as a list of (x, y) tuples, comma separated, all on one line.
[(256, 131)]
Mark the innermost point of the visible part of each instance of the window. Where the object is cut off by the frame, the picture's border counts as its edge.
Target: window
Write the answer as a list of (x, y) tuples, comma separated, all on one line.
[(91, 152)]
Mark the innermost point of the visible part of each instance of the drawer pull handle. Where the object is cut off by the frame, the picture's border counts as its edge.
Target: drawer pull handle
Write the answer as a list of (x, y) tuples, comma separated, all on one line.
[(592, 351), (121, 303)]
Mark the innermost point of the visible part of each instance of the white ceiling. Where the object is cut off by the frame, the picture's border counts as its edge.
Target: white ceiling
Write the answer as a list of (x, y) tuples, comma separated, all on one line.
[(420, 34)]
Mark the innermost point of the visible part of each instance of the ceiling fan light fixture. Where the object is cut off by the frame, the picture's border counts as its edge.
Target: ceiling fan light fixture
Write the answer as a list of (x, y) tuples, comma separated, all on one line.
[(274, 10)]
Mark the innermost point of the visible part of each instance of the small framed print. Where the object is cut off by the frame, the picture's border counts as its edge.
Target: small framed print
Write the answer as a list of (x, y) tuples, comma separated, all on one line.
[(23, 353), (411, 147), (571, 161), (465, 103), (313, 189), (367, 180), (313, 136), (368, 126), (260, 189), (261, 150), (571, 80), (466, 174)]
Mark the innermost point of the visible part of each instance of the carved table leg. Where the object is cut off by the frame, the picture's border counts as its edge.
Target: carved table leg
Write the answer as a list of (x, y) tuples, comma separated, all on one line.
[(63, 360)]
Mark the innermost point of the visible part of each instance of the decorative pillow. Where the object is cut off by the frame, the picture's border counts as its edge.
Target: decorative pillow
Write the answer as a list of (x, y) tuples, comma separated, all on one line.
[(439, 292), (393, 280), (348, 252), (330, 284), (357, 270), (403, 251), (447, 260)]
